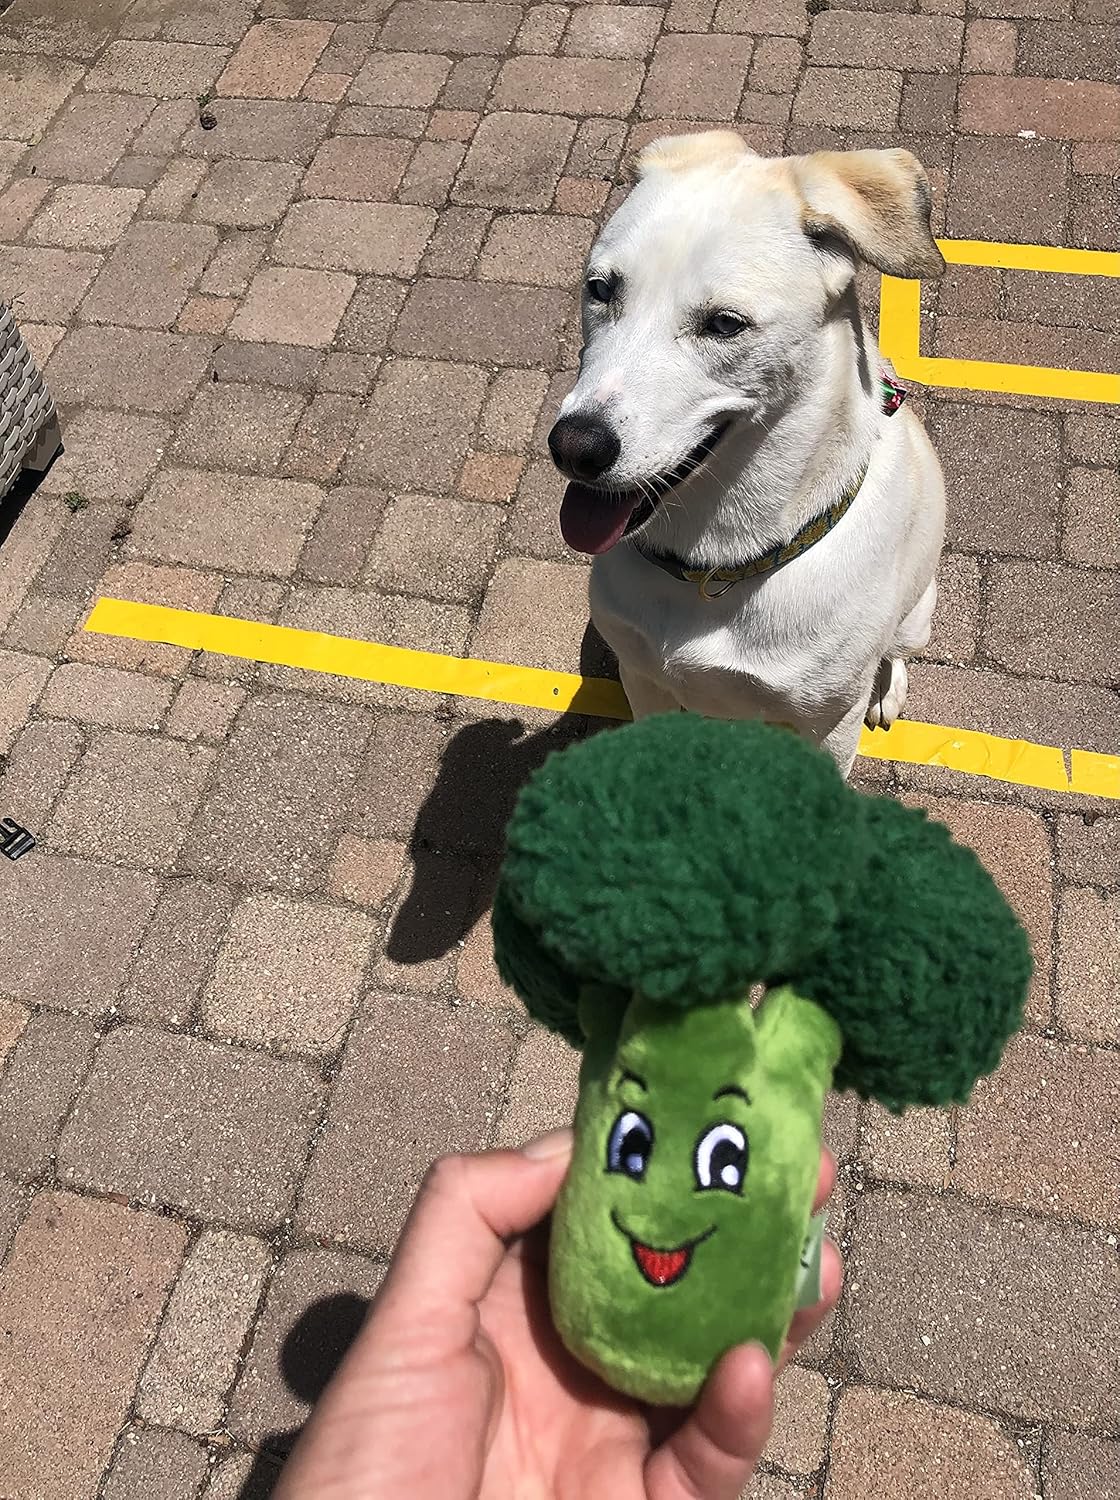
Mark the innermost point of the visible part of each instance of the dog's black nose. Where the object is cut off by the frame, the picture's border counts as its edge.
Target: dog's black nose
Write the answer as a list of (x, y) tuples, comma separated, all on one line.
[(583, 446)]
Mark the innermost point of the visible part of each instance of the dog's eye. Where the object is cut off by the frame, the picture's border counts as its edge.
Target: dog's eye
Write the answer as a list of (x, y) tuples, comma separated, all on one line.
[(600, 288), (725, 325)]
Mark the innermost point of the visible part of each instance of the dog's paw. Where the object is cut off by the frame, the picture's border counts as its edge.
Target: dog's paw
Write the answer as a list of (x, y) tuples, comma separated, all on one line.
[(888, 697)]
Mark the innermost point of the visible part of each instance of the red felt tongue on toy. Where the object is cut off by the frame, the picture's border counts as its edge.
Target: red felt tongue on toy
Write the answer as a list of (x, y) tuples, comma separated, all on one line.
[(662, 1267), (593, 522)]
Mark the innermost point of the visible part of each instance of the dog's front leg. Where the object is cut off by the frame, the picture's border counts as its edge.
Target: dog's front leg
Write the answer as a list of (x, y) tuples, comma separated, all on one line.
[(644, 695)]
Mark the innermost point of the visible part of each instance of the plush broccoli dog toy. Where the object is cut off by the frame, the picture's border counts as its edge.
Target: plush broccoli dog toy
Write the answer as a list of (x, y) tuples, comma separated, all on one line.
[(654, 875)]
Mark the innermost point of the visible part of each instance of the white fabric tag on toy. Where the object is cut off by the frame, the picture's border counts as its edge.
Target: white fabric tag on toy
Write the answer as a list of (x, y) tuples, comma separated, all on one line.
[(809, 1271)]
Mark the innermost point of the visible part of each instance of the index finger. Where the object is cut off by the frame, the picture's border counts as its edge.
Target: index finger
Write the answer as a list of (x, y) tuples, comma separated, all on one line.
[(456, 1234)]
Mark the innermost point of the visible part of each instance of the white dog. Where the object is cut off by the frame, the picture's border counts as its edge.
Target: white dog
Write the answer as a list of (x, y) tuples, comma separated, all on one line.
[(765, 534)]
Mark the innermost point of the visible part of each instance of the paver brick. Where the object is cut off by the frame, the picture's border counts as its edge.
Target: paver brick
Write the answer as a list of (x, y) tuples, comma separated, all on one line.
[(145, 583), (285, 365), (261, 129), (514, 161), (234, 426), (1041, 1132), (26, 548), (440, 26), (1052, 107), (137, 1127), (44, 1069), (197, 517), (31, 90), (455, 243), (195, 1358), (491, 477), (274, 59), (147, 278), (696, 77), (289, 306), (130, 799), (245, 195), (77, 1268), (369, 319), (22, 679), (417, 1079), (855, 97), (322, 438), (442, 548), (44, 284), (761, 17), (36, 770), (914, 1147), (165, 69), (929, 44), (1013, 187), (484, 324), (289, 766), (534, 614), (89, 137), (315, 1305), (288, 974), (1089, 961), (378, 239), (19, 204), (1078, 1467), (891, 1442), (337, 548), (536, 250), (924, 1268), (361, 168), (165, 127), (82, 216), (176, 952), (542, 28), (431, 172), (141, 368), (1053, 620), (400, 80), (1091, 530), (990, 47), (160, 1465), (365, 872), (511, 409), (1067, 49), (568, 85), (359, 119), (417, 430), (542, 1088), (1001, 495), (608, 31), (106, 696)]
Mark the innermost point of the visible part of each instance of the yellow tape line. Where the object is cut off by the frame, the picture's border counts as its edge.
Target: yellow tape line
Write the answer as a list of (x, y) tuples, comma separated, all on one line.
[(900, 315), (1016, 761)]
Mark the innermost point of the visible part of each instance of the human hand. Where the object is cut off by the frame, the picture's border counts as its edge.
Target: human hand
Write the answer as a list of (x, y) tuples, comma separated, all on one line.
[(458, 1388)]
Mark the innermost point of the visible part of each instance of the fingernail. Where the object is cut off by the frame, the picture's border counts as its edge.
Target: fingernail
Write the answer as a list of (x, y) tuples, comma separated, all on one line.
[(555, 1143)]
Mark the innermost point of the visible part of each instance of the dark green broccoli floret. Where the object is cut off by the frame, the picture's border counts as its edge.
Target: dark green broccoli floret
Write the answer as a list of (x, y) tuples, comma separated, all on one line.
[(688, 859)]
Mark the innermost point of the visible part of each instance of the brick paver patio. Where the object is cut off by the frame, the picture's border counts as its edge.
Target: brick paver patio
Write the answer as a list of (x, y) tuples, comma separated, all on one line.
[(305, 360)]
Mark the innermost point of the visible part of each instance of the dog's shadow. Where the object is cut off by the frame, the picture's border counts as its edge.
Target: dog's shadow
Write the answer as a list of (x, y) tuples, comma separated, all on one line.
[(457, 839)]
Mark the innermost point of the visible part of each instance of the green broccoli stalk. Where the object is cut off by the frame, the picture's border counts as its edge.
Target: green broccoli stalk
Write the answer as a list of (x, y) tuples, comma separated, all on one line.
[(653, 876)]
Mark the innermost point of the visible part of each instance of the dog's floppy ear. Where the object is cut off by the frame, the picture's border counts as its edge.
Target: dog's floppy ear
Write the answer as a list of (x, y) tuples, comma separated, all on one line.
[(680, 153), (877, 202)]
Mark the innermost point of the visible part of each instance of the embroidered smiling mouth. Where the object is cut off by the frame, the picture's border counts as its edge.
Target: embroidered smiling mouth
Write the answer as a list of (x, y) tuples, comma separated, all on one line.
[(661, 1267), (592, 520)]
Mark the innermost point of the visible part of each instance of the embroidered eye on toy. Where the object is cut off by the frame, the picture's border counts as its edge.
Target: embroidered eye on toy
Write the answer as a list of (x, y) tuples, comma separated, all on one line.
[(654, 876)]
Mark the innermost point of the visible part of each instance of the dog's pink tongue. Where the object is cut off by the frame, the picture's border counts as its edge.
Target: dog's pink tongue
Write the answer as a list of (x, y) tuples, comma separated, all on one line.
[(593, 522)]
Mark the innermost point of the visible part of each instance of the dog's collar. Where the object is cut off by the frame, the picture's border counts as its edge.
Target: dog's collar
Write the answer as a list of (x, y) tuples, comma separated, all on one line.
[(713, 583)]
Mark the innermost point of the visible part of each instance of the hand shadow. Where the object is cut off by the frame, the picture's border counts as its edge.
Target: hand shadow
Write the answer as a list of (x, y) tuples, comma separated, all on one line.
[(457, 840), (310, 1354)]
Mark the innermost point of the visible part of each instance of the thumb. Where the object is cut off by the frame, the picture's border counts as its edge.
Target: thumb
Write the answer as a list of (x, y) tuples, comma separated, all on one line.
[(713, 1454)]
